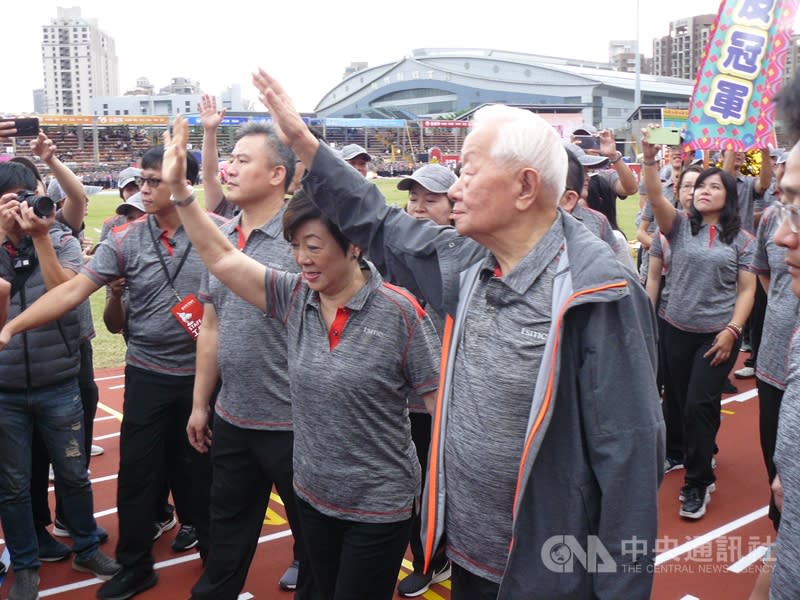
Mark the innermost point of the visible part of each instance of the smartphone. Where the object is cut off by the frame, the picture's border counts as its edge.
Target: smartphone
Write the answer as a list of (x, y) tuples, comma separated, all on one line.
[(588, 142), (27, 127), (666, 136)]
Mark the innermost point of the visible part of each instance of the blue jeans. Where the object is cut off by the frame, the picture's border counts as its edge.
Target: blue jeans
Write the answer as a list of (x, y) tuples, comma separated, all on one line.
[(57, 412)]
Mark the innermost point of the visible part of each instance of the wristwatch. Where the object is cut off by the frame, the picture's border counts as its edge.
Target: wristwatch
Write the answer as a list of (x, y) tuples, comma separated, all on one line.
[(186, 201), (615, 160)]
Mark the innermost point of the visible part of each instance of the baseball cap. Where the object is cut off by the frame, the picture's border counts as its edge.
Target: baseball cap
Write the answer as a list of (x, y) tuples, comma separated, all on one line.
[(434, 178), (56, 193), (585, 130), (587, 160), (134, 201), (350, 151), (127, 175)]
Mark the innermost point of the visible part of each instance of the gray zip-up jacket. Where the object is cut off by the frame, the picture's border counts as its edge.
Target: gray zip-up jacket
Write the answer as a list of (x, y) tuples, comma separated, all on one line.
[(593, 455), (47, 355)]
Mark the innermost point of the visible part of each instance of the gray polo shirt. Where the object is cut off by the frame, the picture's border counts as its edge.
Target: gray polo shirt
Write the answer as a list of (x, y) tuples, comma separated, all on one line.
[(786, 576), (353, 454), (768, 198), (109, 224), (252, 347), (660, 249), (84, 308), (488, 417), (781, 314), (156, 341), (646, 214), (702, 276), (746, 190), (597, 223)]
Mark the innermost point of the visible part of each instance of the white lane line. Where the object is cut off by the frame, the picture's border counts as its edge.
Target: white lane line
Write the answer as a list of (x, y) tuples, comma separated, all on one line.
[(107, 418), (92, 481), (161, 565), (245, 596), (107, 436), (743, 397), (120, 376), (711, 535), (116, 387), (747, 560), (688, 597)]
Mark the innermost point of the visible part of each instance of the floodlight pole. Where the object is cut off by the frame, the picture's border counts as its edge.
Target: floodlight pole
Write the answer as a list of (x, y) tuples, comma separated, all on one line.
[(637, 93)]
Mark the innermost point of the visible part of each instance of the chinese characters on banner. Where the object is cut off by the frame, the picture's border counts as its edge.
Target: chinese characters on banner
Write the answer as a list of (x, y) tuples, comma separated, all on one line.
[(740, 73)]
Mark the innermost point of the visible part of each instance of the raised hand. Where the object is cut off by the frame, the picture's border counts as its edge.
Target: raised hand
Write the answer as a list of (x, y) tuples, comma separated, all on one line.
[(209, 116), (608, 145), (173, 168), (7, 131), (43, 147)]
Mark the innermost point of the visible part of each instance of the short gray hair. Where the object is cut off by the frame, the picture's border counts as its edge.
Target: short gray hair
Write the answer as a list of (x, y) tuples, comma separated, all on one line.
[(282, 154), (525, 139)]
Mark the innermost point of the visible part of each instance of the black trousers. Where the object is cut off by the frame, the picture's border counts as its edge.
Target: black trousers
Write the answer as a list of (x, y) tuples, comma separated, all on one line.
[(769, 407), (351, 560), (694, 396), (421, 436), (40, 459), (756, 323), (246, 463), (468, 586), (154, 448)]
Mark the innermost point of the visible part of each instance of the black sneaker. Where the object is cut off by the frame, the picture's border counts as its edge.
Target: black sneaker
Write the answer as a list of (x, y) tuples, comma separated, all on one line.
[(672, 464), (417, 583), (50, 549), (165, 525), (682, 495), (60, 530), (127, 583), (289, 580), (26, 585), (695, 501), (186, 539), (98, 564)]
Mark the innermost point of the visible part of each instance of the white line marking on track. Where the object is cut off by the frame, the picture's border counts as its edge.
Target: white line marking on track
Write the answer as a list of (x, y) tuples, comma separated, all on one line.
[(743, 397), (163, 564), (93, 481), (105, 437), (120, 376), (245, 596), (116, 387), (711, 535), (108, 418), (688, 597), (747, 560)]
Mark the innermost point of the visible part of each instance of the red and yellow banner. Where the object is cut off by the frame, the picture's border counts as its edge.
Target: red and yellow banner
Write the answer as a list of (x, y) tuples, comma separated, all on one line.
[(740, 73)]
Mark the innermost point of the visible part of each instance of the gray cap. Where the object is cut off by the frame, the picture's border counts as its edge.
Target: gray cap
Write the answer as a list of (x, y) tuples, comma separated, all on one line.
[(587, 160), (134, 201), (128, 175), (585, 130), (56, 193), (350, 151), (434, 178)]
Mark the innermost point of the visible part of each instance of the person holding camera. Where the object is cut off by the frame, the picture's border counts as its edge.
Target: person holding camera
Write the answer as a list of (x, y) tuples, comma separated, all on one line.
[(39, 385)]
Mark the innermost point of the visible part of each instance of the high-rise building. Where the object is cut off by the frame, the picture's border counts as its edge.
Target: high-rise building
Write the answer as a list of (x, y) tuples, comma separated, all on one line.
[(39, 101), (79, 62), (793, 59), (678, 54), (622, 56)]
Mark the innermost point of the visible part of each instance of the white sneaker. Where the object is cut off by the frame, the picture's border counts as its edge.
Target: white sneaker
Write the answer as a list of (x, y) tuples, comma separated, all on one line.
[(745, 373), (97, 450)]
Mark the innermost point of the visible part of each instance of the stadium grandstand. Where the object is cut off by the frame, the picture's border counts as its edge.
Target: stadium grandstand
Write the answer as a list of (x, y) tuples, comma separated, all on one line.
[(409, 111)]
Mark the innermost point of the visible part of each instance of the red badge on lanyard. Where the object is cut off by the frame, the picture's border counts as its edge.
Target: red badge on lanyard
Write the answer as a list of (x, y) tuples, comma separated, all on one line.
[(189, 313)]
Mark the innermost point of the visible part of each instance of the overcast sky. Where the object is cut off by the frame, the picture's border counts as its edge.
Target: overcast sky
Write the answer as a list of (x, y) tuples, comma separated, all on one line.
[(308, 44)]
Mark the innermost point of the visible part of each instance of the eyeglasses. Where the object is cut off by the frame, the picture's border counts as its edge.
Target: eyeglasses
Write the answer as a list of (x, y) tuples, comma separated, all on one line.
[(153, 182), (789, 213)]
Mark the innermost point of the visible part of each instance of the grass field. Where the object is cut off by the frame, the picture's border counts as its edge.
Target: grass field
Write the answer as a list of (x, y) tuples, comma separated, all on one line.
[(109, 349)]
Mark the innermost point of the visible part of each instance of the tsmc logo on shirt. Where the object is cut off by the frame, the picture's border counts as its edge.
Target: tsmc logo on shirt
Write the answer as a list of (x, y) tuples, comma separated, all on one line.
[(370, 331), (534, 334)]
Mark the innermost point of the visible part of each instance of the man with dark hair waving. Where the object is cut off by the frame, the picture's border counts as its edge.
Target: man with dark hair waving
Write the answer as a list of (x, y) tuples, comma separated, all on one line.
[(163, 274)]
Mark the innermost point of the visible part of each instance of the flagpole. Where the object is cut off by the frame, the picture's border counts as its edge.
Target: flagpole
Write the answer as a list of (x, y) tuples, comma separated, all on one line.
[(637, 93)]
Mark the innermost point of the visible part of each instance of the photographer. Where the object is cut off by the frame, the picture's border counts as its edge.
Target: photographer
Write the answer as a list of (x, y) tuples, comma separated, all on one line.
[(39, 385)]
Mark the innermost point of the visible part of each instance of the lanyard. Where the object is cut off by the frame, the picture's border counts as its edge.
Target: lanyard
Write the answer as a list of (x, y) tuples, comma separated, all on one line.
[(170, 278)]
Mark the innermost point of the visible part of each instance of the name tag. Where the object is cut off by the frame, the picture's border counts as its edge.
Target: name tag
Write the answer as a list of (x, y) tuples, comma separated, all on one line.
[(189, 313)]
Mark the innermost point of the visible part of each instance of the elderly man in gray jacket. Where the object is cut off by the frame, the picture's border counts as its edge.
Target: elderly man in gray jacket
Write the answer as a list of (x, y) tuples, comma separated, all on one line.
[(544, 466)]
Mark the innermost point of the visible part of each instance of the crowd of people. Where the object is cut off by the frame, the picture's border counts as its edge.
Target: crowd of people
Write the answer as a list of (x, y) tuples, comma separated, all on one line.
[(391, 371)]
